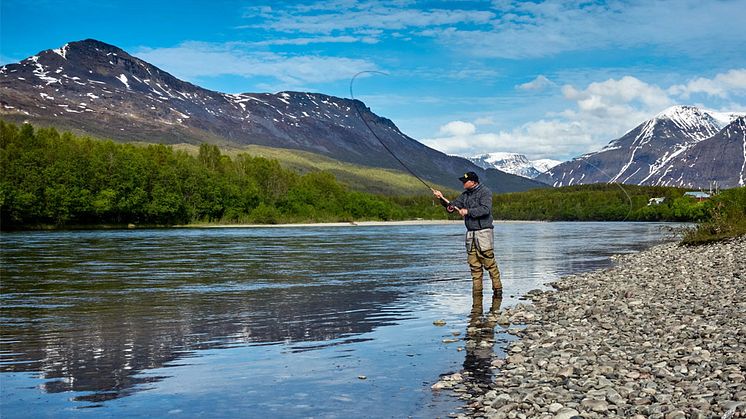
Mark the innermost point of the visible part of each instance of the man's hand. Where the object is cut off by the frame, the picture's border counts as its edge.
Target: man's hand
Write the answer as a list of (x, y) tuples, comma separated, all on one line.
[(437, 193), (463, 211)]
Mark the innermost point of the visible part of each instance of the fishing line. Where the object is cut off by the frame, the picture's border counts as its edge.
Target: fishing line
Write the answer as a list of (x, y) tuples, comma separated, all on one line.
[(357, 109)]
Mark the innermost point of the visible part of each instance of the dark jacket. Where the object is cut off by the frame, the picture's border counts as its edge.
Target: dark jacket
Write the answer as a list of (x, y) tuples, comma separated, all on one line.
[(478, 201)]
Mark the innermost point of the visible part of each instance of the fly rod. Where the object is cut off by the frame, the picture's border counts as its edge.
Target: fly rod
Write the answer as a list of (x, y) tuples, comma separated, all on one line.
[(360, 114)]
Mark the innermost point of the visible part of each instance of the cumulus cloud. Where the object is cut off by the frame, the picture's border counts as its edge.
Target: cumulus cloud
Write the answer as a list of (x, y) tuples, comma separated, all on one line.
[(457, 129), (192, 60), (722, 85)]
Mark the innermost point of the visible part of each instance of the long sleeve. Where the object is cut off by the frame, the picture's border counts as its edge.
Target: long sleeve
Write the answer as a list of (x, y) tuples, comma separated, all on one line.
[(456, 203), (483, 205)]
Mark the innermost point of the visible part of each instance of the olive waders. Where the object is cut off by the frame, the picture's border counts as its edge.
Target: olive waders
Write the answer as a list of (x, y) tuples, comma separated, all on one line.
[(480, 255)]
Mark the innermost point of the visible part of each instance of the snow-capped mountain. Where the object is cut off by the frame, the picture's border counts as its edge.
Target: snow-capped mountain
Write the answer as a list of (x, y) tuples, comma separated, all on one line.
[(648, 154), (95, 88), (720, 159), (514, 163)]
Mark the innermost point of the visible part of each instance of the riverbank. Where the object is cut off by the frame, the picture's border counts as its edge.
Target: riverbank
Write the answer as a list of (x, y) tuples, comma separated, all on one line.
[(662, 334)]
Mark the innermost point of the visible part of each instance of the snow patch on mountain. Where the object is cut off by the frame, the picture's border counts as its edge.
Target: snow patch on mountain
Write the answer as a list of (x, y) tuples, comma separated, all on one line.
[(514, 163)]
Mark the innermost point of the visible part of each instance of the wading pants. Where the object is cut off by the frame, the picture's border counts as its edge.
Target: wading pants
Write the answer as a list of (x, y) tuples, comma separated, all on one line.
[(480, 254)]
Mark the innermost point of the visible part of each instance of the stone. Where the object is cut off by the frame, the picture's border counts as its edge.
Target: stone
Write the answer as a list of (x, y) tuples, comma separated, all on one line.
[(566, 413), (501, 400), (554, 407), (595, 405)]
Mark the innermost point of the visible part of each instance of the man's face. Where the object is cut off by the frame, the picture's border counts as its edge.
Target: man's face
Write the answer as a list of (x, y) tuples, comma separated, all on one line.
[(469, 184)]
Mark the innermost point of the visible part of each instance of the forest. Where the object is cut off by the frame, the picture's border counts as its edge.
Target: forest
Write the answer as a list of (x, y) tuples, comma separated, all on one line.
[(51, 179)]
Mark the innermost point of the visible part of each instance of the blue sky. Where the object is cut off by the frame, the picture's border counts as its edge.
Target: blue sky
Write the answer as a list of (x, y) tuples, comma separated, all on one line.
[(549, 79)]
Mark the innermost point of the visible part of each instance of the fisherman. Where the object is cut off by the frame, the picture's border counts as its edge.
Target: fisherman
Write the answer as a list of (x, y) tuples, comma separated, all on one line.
[(475, 206)]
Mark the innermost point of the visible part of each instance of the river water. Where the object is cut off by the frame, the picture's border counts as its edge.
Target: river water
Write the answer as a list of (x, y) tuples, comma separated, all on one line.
[(264, 322)]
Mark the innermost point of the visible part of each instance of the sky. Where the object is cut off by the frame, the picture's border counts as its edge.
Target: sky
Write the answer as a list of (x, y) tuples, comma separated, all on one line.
[(548, 79)]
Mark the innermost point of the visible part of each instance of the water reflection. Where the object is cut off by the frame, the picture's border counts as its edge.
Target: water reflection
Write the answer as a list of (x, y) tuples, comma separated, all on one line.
[(99, 347), (91, 314), (480, 342)]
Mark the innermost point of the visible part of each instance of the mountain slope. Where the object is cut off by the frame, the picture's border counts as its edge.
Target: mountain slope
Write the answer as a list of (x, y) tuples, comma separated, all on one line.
[(720, 158), (643, 155), (95, 88)]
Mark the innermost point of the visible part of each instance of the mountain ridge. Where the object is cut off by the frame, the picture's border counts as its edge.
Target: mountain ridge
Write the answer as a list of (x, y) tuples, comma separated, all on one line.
[(94, 88), (649, 153)]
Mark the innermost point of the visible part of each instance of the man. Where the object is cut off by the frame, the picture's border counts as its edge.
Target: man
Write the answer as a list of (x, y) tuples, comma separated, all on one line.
[(475, 205)]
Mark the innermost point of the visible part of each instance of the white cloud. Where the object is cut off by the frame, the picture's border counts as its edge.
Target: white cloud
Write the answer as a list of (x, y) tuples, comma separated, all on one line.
[(192, 60), (458, 129), (722, 85), (539, 83)]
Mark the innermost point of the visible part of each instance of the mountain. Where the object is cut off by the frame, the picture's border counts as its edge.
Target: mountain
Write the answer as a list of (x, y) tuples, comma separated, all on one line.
[(647, 154), (514, 163), (94, 88), (720, 159)]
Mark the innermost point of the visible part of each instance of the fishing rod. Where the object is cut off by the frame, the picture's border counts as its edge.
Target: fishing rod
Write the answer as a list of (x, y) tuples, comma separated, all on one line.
[(357, 109), (360, 114)]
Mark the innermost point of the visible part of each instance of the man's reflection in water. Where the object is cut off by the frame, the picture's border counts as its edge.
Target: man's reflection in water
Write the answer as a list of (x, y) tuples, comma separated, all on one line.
[(480, 340)]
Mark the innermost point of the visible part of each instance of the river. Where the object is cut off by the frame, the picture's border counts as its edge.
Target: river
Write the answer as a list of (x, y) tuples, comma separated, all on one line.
[(263, 322)]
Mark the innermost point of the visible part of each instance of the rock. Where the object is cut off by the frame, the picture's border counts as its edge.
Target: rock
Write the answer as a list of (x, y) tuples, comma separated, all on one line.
[(566, 413), (362, 377), (439, 322), (503, 320), (501, 400), (516, 359), (595, 405), (614, 397), (566, 372), (554, 407)]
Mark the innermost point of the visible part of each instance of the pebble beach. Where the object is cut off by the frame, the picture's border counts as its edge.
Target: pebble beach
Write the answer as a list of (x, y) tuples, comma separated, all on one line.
[(661, 334)]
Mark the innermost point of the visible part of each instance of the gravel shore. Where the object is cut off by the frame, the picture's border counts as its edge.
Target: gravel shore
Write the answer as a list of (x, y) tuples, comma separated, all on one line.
[(662, 334)]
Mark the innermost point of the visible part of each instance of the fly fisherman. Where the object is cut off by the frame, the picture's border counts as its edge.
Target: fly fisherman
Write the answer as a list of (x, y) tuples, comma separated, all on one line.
[(475, 206)]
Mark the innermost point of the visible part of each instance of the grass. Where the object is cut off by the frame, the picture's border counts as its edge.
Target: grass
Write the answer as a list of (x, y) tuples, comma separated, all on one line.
[(726, 219)]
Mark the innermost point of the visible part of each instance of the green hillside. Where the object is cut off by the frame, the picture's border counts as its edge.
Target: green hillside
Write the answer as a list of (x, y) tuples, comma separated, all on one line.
[(359, 178)]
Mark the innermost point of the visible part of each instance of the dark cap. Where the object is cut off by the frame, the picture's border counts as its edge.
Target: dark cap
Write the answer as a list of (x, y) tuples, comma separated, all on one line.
[(469, 176)]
